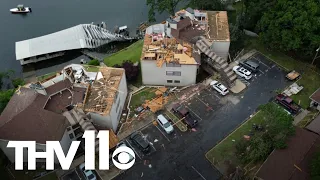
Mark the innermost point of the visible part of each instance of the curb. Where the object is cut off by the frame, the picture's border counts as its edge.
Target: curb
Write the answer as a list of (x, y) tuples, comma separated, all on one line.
[(219, 142)]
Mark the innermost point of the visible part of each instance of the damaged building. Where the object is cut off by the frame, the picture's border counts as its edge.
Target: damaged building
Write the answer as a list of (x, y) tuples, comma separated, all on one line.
[(174, 50)]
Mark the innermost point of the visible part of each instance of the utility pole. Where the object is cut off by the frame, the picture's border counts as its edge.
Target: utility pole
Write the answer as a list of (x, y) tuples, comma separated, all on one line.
[(316, 56)]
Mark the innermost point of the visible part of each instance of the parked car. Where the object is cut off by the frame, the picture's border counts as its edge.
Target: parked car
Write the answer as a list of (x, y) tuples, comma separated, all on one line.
[(139, 141), (219, 87), (183, 112), (287, 103), (165, 124), (242, 72), (249, 64), (87, 173)]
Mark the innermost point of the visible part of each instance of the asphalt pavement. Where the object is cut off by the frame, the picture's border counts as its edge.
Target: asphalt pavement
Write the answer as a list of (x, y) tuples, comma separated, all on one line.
[(182, 157)]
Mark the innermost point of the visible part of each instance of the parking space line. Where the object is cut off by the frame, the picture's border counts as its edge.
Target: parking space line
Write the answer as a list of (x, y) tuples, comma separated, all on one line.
[(194, 113), (261, 71), (198, 173), (261, 62), (202, 101), (163, 133), (133, 149)]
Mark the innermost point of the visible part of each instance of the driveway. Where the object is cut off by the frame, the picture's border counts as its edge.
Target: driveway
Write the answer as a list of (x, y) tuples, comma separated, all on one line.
[(183, 156)]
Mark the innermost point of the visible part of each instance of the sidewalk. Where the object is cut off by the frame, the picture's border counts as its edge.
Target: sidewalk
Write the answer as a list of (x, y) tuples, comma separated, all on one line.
[(238, 87)]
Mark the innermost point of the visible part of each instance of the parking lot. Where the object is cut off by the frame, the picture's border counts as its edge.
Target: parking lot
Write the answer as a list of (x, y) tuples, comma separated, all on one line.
[(76, 174), (181, 155)]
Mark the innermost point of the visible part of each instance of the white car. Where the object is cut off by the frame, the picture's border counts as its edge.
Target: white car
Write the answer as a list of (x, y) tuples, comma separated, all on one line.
[(165, 124), (219, 87), (242, 72), (87, 173)]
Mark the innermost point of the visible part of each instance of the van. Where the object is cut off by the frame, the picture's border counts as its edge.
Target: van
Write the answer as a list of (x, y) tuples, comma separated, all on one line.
[(165, 124), (249, 64)]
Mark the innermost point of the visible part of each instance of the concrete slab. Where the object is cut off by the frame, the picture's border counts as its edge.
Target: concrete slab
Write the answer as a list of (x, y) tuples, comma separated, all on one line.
[(238, 87), (300, 116)]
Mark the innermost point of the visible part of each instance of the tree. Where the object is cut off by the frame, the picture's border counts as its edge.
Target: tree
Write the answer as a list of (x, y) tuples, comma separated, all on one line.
[(277, 128), (160, 6), (17, 82), (5, 97), (253, 11), (315, 166), (216, 5), (94, 62), (132, 71), (292, 26)]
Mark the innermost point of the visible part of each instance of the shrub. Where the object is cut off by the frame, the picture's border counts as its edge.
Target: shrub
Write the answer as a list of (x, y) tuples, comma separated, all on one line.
[(94, 62), (18, 82)]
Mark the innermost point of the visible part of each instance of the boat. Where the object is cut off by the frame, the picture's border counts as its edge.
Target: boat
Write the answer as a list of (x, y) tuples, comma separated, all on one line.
[(21, 9)]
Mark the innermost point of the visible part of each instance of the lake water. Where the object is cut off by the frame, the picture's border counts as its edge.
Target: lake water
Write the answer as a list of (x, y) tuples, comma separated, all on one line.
[(51, 16)]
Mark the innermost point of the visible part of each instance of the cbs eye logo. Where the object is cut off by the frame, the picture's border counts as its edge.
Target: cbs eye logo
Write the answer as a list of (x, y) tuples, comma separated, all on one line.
[(123, 158)]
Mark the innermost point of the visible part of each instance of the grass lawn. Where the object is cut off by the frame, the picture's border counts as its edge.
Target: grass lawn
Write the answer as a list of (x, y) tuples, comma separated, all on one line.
[(224, 151), (175, 120), (139, 98), (309, 117), (310, 79), (90, 68), (132, 53), (46, 76)]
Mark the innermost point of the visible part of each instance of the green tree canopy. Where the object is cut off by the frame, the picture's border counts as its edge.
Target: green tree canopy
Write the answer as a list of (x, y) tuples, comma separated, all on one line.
[(277, 126), (160, 6), (215, 5), (315, 166), (292, 26)]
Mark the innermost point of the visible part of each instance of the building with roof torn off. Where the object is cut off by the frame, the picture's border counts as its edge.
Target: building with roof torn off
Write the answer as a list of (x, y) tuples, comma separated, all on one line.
[(174, 50), (61, 108)]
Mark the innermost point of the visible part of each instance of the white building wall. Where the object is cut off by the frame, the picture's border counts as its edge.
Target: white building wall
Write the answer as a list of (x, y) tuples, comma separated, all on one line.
[(221, 48), (112, 120), (65, 143), (153, 75), (103, 121)]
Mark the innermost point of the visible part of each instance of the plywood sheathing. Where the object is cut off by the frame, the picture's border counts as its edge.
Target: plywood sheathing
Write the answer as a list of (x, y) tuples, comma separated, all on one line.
[(157, 103), (167, 50), (218, 26), (102, 93)]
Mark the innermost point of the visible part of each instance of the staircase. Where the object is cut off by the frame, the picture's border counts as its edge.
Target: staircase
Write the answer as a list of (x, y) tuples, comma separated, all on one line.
[(79, 117), (216, 62)]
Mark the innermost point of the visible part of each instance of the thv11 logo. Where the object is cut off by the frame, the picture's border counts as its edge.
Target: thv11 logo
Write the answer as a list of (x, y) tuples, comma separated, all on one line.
[(124, 154)]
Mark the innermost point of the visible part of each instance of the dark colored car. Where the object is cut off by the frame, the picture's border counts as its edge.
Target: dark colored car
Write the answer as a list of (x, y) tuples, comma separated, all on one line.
[(139, 141), (287, 103), (183, 112), (250, 65)]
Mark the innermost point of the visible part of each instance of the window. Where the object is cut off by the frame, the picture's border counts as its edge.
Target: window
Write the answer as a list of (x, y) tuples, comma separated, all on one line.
[(173, 73), (39, 150), (169, 81), (176, 81), (173, 65), (71, 136)]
